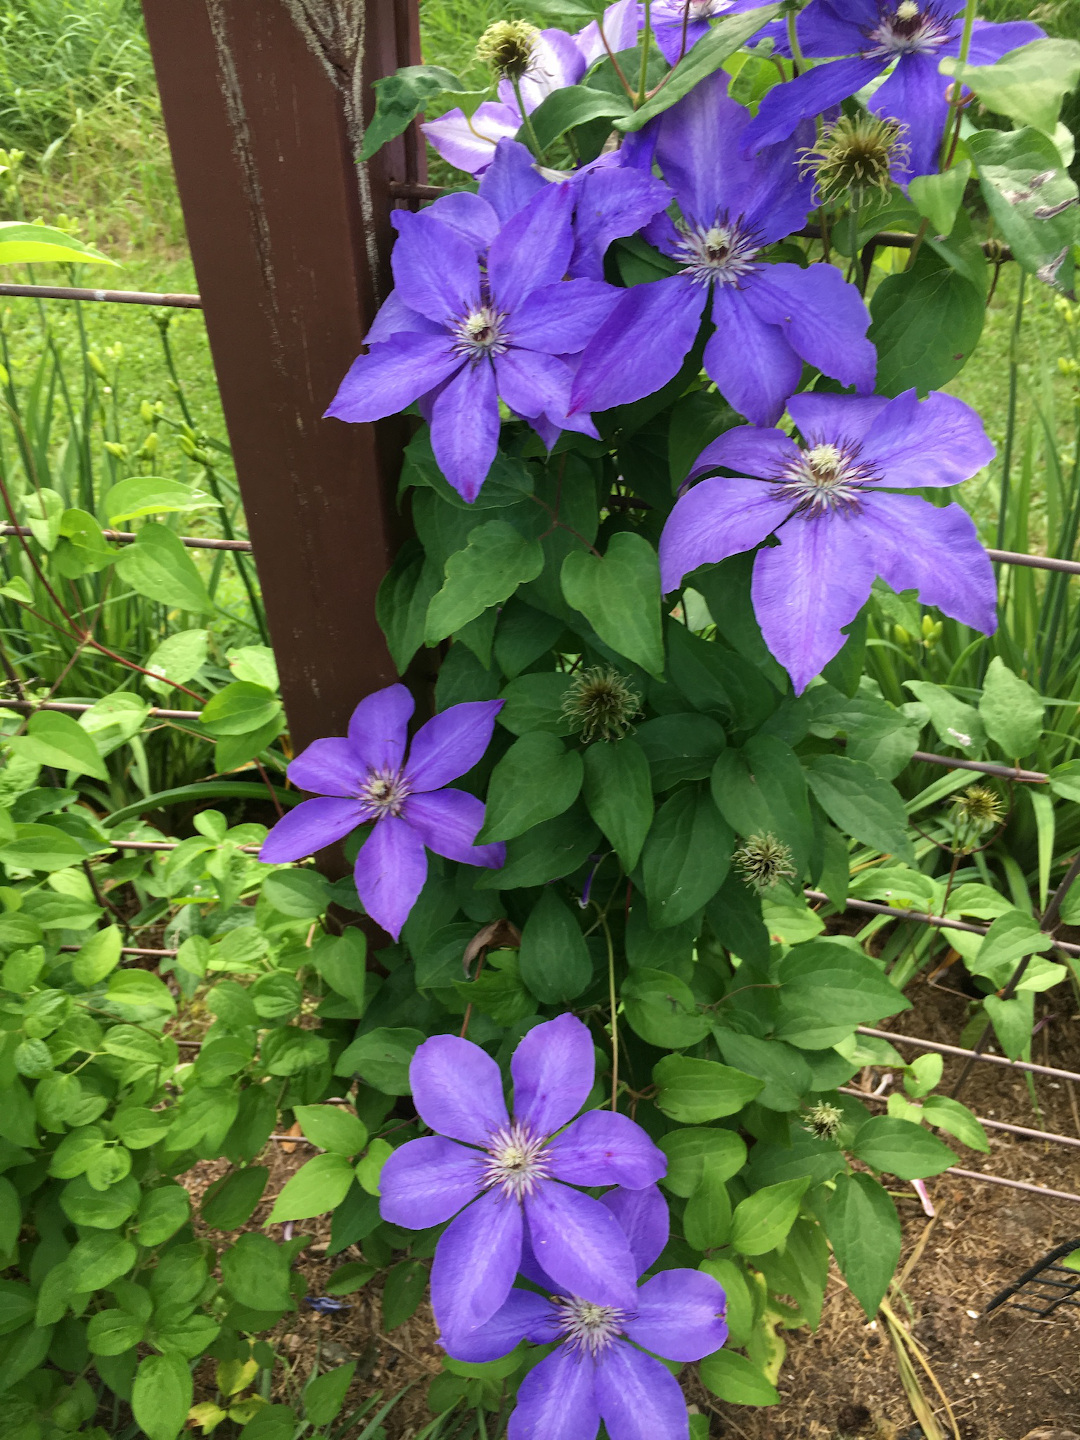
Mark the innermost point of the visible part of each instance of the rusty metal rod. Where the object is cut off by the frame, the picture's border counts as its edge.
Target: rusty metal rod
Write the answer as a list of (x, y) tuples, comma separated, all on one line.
[(76, 707), (1042, 1190), (1021, 1130), (126, 950), (125, 537), (984, 767), (1035, 562), (919, 1044), (114, 297), (871, 907)]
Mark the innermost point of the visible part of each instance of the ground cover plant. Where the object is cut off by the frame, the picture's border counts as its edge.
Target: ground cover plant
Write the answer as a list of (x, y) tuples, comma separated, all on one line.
[(682, 480)]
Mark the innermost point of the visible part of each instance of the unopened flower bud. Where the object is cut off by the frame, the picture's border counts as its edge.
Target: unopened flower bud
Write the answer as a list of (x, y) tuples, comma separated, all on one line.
[(855, 156), (764, 861), (507, 47), (149, 448), (146, 412), (94, 361), (116, 449), (600, 704)]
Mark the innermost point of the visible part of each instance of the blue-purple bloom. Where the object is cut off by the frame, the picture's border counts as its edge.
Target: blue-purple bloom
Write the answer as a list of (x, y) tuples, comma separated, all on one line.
[(510, 1178), (600, 1370), (459, 337), (872, 34), (678, 25), (828, 501), (366, 777), (768, 318)]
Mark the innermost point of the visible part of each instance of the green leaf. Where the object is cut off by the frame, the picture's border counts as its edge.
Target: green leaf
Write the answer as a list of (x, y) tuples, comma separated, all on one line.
[(537, 779), (1011, 710), (401, 605), (956, 1119), (826, 990), (255, 663), (619, 595), (706, 57), (1012, 1021), (231, 1201), (681, 747), (111, 1332), (761, 790), (332, 1128), (317, 1187), (688, 1150), (864, 1232), (256, 1273), (162, 1212), (134, 992), (762, 1220), (240, 708), (718, 680), (736, 1379), (554, 960), (151, 495), (926, 322), (496, 560), (178, 659), (707, 1217), (98, 1260), (861, 804), (23, 1353), (573, 105), (349, 1278), (618, 793), (98, 957), (694, 1091), (534, 702), (10, 1217), (785, 1071), (1035, 215), (686, 857), (161, 1396), (1027, 84), (546, 852), (662, 1009), (106, 1209), (1010, 938), (324, 1395), (938, 197), (400, 98), (159, 567), (381, 1058), (22, 244), (301, 894), (53, 738), (402, 1293), (900, 1147), (958, 725)]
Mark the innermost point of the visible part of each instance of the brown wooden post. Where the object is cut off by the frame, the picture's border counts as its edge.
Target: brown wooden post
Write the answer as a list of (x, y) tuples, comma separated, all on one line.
[(265, 103)]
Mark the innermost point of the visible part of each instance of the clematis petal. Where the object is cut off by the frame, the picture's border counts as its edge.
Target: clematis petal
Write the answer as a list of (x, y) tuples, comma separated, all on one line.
[(644, 1220), (603, 1147), (716, 519), (578, 1242), (533, 248), (557, 1401), (680, 1315), (378, 728), (704, 125), (476, 1260), (642, 344), (392, 375), (426, 1181), (511, 180), (822, 317), (436, 270), (533, 384), (932, 442), (555, 63), (828, 28), (311, 826), (469, 215), (675, 39), (622, 21), (390, 872), (807, 588), (468, 142), (990, 41), (749, 450), (562, 319), (784, 106), (824, 417), (916, 94), (395, 316), (451, 743), (753, 364), (936, 551), (612, 201), (457, 1089), (552, 1069), (328, 767), (639, 1399), (465, 427), (448, 822), (523, 1312)]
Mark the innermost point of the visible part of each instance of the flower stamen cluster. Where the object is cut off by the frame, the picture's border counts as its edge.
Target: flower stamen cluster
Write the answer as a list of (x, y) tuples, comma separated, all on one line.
[(384, 792), (724, 251), (826, 477), (589, 1329), (481, 332), (600, 704), (764, 861), (517, 1161), (911, 29), (855, 156)]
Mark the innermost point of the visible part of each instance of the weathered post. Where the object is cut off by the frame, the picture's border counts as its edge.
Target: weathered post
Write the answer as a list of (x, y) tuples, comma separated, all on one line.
[(265, 103)]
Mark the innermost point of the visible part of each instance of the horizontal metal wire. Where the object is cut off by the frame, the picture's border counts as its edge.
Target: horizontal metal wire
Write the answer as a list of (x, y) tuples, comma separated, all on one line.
[(940, 922), (1034, 562), (125, 537), (126, 950), (1021, 1130), (920, 1044), (113, 297), (984, 767), (1042, 1190)]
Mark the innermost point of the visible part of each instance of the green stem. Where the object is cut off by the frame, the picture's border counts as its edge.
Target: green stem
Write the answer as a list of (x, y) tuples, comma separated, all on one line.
[(949, 144), (643, 75), (526, 120), (793, 40), (853, 225), (1010, 422), (613, 1003)]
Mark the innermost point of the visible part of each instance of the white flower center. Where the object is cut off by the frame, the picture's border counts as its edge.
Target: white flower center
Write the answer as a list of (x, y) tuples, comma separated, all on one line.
[(481, 332), (384, 792), (517, 1161), (723, 252), (826, 477), (589, 1328), (910, 29)]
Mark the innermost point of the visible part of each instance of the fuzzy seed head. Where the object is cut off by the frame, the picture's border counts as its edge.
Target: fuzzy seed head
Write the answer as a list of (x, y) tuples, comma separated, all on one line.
[(856, 156), (507, 48), (764, 861), (980, 807), (600, 704), (824, 1120)]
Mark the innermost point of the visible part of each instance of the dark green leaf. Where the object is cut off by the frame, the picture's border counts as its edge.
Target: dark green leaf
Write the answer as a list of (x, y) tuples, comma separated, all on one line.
[(496, 560), (761, 790), (546, 852), (864, 1232), (926, 322), (826, 990), (618, 793), (619, 595), (381, 1058), (554, 959), (901, 1147), (404, 1289), (400, 98), (686, 857), (694, 1091), (229, 1202), (681, 747), (662, 1009), (573, 105), (256, 1273), (534, 702), (537, 779), (707, 1217), (861, 804)]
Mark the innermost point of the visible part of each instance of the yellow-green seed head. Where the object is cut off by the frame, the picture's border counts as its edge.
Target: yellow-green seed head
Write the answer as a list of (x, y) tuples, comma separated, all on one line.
[(980, 807), (856, 156), (601, 704), (764, 861), (824, 1120), (507, 47)]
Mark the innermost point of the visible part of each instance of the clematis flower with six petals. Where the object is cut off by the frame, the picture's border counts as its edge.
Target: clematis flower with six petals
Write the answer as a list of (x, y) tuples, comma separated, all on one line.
[(830, 502), (873, 34), (506, 1177), (459, 337), (678, 25), (599, 1370), (366, 777), (768, 318)]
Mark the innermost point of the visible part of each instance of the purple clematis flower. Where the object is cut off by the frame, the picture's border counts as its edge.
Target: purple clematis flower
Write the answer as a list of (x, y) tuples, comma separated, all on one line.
[(678, 25), (459, 338), (828, 501), (769, 318), (508, 1175), (366, 777), (916, 34), (599, 1370)]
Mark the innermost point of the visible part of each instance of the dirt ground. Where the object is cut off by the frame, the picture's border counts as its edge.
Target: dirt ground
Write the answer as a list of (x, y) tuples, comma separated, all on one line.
[(1005, 1374)]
